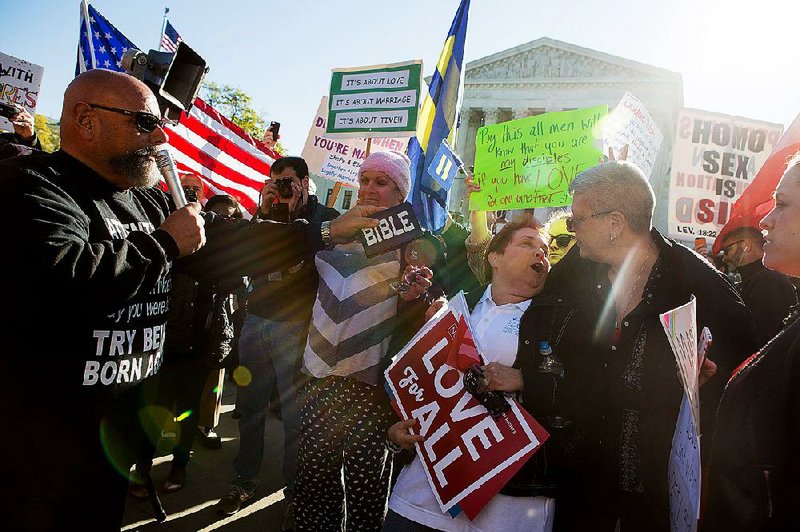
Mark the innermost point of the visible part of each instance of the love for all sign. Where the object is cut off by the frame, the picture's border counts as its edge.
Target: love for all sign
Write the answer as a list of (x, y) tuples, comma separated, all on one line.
[(467, 455)]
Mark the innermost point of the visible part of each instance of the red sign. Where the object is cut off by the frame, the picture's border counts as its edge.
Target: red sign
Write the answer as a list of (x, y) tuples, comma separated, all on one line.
[(468, 455)]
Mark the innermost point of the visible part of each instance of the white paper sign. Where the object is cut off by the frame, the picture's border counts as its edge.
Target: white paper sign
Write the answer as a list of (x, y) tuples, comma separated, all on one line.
[(19, 84), (338, 159), (684, 473), (681, 328), (630, 124), (714, 160)]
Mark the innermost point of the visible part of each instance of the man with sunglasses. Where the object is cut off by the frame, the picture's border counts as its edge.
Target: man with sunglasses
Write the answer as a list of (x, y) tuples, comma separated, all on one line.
[(561, 238), (88, 254), (769, 295)]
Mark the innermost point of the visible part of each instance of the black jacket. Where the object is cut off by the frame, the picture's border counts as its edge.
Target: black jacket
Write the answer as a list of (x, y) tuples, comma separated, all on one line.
[(86, 276), (754, 483), (621, 397), (768, 295)]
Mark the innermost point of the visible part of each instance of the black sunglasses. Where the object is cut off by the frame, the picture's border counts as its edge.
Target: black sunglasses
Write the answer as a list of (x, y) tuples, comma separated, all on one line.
[(562, 241), (145, 121), (727, 248)]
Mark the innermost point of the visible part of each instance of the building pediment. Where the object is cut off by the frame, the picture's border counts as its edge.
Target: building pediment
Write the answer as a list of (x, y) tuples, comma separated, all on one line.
[(549, 59)]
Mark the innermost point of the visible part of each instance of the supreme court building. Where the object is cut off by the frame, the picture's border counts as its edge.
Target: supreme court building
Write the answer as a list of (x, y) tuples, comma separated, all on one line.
[(546, 75)]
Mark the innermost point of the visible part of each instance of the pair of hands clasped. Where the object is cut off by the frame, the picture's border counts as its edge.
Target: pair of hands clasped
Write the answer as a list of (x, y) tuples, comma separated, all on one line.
[(186, 226)]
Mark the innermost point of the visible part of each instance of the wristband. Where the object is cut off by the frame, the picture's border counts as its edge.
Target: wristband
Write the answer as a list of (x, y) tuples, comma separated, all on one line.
[(325, 232), (392, 447)]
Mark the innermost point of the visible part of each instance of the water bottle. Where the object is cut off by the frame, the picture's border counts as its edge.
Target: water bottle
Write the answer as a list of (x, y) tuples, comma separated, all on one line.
[(549, 364)]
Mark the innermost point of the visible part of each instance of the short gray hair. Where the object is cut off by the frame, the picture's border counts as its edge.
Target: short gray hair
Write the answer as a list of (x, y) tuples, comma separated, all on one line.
[(618, 186)]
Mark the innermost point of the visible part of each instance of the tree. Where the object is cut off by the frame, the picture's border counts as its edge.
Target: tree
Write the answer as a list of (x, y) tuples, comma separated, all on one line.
[(236, 105), (48, 131)]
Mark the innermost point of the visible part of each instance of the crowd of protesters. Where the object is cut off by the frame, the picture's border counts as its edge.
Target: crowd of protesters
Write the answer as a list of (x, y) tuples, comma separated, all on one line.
[(129, 311)]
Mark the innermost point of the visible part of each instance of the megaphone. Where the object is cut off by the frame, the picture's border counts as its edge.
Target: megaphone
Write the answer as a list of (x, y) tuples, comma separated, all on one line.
[(174, 77)]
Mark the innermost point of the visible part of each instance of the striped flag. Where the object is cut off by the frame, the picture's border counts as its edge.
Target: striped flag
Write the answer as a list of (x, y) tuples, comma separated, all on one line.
[(225, 157), (204, 142), (437, 122), (170, 38)]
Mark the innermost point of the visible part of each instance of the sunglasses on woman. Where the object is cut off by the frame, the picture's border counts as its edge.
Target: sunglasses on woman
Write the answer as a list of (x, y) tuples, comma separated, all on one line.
[(562, 241), (147, 122)]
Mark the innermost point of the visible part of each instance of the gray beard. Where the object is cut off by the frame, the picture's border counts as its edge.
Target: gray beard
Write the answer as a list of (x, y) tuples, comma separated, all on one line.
[(137, 167)]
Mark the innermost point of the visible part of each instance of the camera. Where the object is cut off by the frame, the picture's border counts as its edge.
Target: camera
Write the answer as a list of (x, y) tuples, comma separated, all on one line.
[(274, 127), (8, 111), (284, 186), (190, 193)]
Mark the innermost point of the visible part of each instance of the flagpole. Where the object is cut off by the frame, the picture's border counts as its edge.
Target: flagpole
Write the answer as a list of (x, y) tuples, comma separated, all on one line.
[(88, 28), (163, 28)]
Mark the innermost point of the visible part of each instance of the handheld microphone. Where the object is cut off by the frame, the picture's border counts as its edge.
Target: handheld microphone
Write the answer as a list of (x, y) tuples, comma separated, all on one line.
[(170, 174)]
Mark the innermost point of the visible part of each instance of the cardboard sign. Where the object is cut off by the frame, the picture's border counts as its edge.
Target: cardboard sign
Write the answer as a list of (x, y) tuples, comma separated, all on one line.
[(19, 84), (531, 162), (397, 226), (714, 160), (338, 159), (631, 125), (467, 455), (445, 165), (684, 459), (681, 329), (684, 472), (375, 101)]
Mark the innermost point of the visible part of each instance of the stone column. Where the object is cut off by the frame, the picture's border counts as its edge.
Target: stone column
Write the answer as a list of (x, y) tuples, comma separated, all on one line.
[(465, 147), (520, 112), (491, 116), (465, 137)]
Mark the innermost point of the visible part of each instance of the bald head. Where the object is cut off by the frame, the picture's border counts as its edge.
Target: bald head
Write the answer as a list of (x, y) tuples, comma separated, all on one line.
[(109, 140), (103, 87)]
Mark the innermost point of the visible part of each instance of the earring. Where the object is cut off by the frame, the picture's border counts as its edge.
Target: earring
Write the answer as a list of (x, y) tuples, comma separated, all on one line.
[(613, 238)]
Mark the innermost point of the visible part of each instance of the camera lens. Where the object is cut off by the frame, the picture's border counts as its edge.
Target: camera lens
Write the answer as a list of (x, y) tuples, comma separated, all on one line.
[(284, 186)]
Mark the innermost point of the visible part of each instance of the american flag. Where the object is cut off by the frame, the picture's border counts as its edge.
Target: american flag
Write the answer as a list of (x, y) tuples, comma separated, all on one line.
[(170, 38), (204, 142)]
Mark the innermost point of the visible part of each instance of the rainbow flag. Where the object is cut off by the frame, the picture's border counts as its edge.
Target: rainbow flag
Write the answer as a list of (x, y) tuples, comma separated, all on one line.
[(437, 122)]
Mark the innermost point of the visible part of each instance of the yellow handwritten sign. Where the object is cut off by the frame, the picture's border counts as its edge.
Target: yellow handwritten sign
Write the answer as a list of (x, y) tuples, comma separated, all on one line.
[(531, 162)]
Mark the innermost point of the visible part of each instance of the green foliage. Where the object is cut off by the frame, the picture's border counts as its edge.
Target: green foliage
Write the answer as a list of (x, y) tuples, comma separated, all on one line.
[(48, 132), (236, 105)]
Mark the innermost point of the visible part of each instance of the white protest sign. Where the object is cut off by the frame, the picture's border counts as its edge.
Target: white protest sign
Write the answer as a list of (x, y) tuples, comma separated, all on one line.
[(681, 328), (714, 159), (338, 159), (19, 84), (684, 460), (375, 101), (630, 124), (684, 472)]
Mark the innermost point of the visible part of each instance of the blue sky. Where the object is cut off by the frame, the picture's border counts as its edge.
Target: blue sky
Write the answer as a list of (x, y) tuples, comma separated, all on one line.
[(736, 56)]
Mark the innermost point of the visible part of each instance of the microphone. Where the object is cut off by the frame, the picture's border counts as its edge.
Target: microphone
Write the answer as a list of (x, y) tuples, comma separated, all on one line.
[(170, 174)]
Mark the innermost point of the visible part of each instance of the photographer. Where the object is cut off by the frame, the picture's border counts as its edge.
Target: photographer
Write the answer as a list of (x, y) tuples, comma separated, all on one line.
[(274, 334), (23, 139)]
